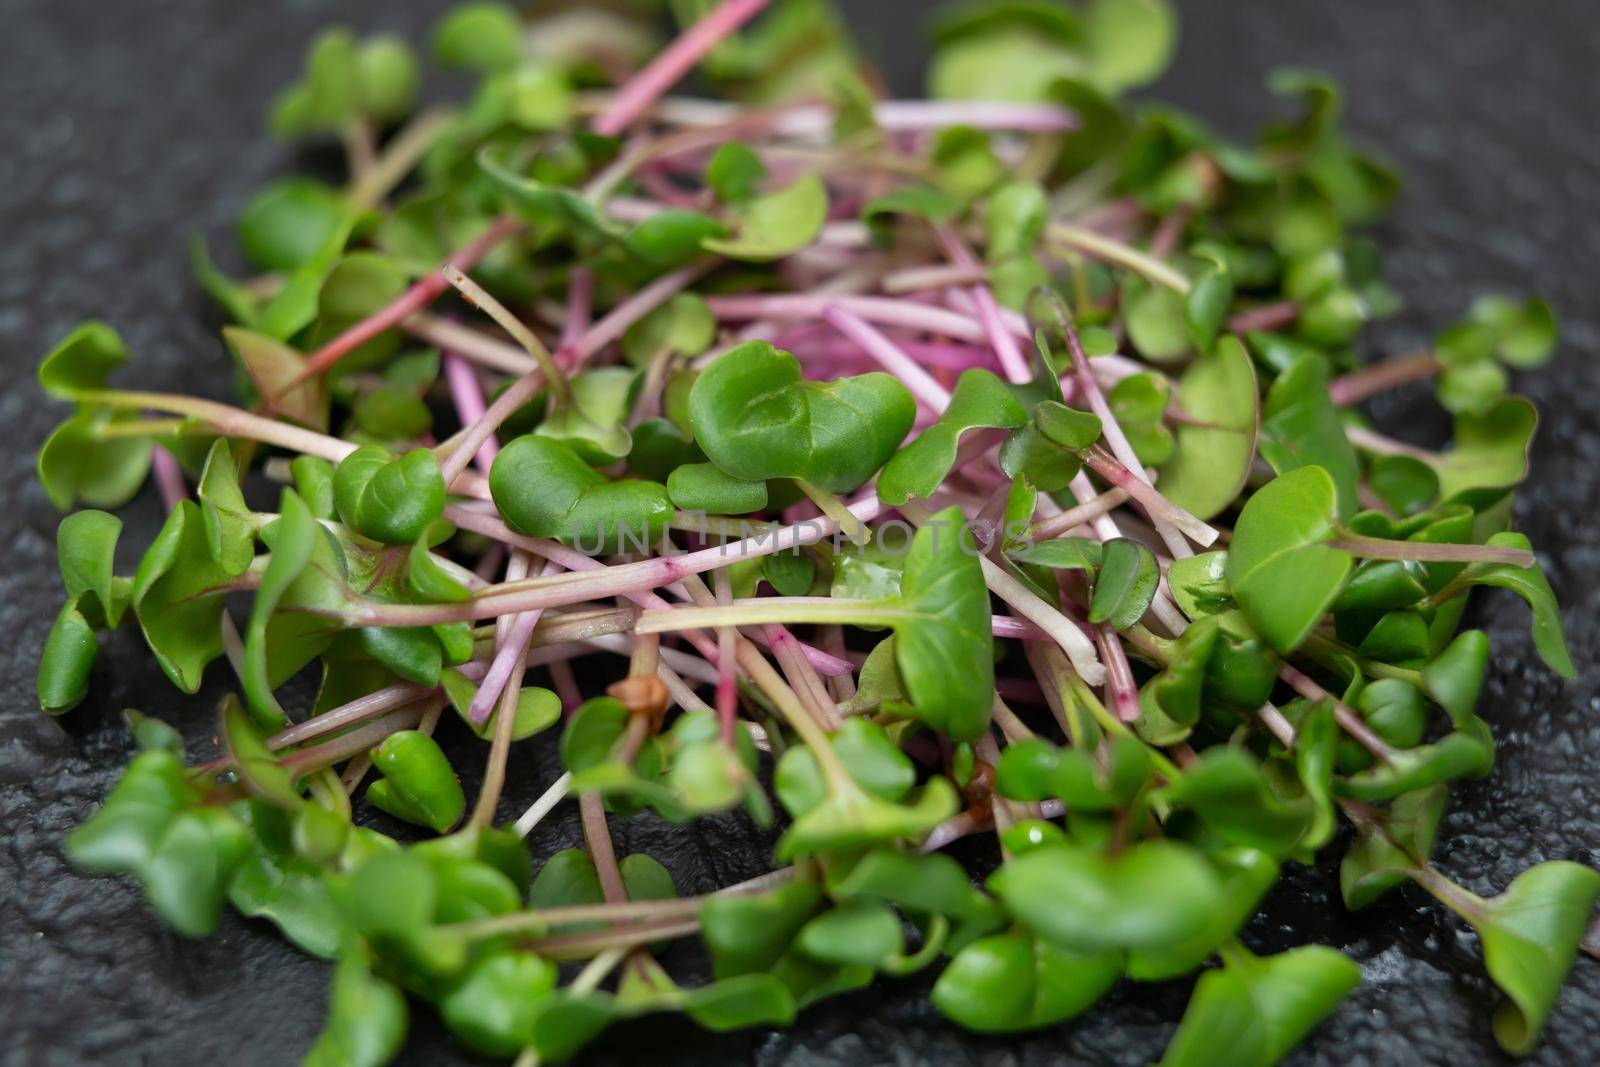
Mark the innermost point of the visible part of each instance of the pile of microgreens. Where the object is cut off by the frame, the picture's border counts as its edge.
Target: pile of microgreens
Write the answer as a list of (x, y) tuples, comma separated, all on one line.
[(1057, 524)]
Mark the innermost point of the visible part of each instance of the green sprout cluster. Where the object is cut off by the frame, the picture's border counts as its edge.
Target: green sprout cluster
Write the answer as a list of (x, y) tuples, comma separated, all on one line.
[(979, 466)]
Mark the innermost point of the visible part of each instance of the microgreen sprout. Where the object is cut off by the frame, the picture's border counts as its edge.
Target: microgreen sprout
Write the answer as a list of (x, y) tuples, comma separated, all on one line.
[(977, 466)]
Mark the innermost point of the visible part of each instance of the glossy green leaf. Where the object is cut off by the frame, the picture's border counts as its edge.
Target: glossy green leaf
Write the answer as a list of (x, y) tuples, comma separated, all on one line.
[(1215, 443), (492, 1009), (1549, 636), (544, 489), (177, 597), (1281, 575), (82, 361), (1014, 981), (1152, 893), (757, 419), (1300, 427), (1125, 584), (980, 401), (1253, 1010), (76, 465), (389, 498), (418, 780), (1531, 934), (707, 487)]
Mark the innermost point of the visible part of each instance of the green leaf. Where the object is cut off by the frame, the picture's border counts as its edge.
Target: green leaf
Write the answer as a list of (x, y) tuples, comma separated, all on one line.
[(1206, 306), (230, 527), (537, 709), (1032, 770), (1531, 934), (683, 325), (1216, 442), (1014, 981), (82, 361), (389, 498), (1252, 1011), (1491, 448), (313, 480), (734, 172), (1549, 636), (1300, 427), (776, 224), (481, 36), (943, 643), (1157, 320), (544, 202), (1525, 334), (1152, 893), (493, 1008), (1063, 554), (1379, 859), (177, 597), (848, 819), (258, 769), (980, 401), (1280, 573), (1228, 790), (272, 366), (387, 68), (544, 489), (706, 487), (867, 753), (418, 783), (1404, 483), (295, 539), (1199, 583), (757, 419), (288, 222), (1125, 584), (1014, 218), (69, 653), (931, 884), (918, 201), (367, 1018), (76, 465), (86, 543), (861, 932), (746, 933), (1129, 42)]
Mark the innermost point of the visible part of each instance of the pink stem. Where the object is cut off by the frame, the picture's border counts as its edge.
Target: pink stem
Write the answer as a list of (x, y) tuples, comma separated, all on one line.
[(676, 60), (572, 560), (426, 290), (467, 395), (1120, 446), (1004, 344), (510, 653), (168, 477), (566, 684), (580, 297), (886, 311), (890, 356)]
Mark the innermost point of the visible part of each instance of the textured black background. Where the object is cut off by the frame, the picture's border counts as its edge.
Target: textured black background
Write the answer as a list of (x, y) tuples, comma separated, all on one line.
[(125, 125)]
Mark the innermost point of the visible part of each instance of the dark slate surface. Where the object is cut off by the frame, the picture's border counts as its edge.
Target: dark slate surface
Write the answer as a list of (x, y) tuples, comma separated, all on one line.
[(127, 124)]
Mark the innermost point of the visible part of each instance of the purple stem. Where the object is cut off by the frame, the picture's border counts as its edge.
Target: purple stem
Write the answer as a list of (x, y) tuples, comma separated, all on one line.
[(672, 63), (467, 395), (1004, 344), (506, 658), (168, 477), (572, 560), (889, 356)]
